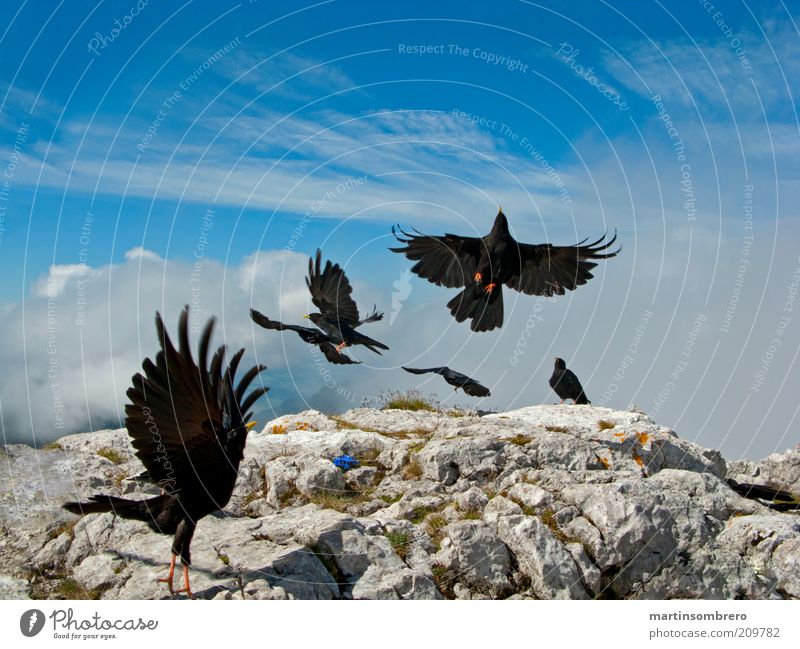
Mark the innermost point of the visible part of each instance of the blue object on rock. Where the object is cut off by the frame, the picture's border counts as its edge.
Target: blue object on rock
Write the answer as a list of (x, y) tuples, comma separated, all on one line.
[(346, 462)]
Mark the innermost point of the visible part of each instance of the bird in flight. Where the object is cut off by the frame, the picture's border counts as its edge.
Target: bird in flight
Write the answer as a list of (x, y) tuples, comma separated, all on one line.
[(482, 265), (338, 316), (566, 385), (456, 379), (188, 422)]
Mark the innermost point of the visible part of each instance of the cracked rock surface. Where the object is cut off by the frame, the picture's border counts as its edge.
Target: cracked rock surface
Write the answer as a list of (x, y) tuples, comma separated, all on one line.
[(544, 502)]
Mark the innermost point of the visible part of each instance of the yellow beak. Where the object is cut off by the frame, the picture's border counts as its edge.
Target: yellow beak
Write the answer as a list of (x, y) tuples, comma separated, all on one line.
[(251, 424), (307, 317)]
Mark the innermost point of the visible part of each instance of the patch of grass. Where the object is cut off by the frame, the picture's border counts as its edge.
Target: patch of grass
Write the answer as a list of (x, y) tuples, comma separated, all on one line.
[(412, 470), (69, 588), (339, 500), (410, 400), (421, 512), (52, 446), (224, 558), (605, 424), (548, 517), (119, 478), (390, 500), (400, 543), (111, 454), (520, 440), (287, 497), (471, 515), (435, 527), (556, 429), (443, 580), (252, 497), (58, 530), (456, 412), (417, 447), (343, 423)]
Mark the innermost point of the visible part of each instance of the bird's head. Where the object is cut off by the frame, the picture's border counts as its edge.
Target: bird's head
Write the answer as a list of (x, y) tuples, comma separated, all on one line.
[(560, 364), (314, 317), (500, 221)]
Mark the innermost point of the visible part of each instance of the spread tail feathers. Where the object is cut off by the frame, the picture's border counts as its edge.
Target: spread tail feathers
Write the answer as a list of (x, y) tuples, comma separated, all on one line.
[(485, 310), (140, 510)]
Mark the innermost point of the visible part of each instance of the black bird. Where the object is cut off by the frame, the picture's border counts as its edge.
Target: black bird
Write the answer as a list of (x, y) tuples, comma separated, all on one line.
[(338, 317), (481, 265), (566, 385), (312, 336), (457, 379), (776, 499), (188, 423)]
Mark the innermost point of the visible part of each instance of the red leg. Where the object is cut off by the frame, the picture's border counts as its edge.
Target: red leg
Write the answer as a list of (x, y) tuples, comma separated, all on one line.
[(340, 347), (186, 588), (478, 277), (490, 287), (168, 579)]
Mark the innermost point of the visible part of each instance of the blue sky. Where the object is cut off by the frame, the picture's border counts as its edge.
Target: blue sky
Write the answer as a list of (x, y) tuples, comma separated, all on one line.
[(343, 118)]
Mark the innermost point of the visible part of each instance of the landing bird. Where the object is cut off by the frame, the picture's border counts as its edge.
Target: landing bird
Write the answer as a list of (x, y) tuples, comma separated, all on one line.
[(456, 379), (188, 423), (481, 265), (776, 499), (338, 318), (566, 385)]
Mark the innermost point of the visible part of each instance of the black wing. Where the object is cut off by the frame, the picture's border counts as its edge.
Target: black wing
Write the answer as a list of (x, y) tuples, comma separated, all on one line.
[(413, 370), (449, 261), (774, 498), (545, 269), (475, 389), (330, 291), (180, 412), (312, 336)]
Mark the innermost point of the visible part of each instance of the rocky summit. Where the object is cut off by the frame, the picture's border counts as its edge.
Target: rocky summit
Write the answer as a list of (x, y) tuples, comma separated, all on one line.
[(545, 502)]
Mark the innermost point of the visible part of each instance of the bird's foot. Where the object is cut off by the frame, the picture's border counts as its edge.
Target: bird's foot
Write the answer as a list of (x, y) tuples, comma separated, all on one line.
[(340, 347), (478, 277), (489, 288), (168, 579), (186, 589)]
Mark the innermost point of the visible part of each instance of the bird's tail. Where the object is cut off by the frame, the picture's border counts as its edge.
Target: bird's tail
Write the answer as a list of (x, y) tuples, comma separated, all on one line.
[(369, 343), (582, 399), (139, 510), (484, 309)]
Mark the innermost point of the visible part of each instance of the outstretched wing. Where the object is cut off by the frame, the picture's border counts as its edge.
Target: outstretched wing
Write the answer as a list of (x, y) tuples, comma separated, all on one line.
[(449, 261), (413, 370), (180, 411), (475, 389), (545, 269), (330, 291), (312, 336)]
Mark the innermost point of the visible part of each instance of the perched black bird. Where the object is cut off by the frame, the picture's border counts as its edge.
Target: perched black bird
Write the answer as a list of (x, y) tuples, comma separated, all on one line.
[(313, 336), (338, 317), (566, 385), (457, 379), (188, 423), (781, 501), (481, 265)]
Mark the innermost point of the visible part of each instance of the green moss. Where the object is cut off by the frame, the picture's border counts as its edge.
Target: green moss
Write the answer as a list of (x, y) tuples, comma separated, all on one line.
[(520, 440), (339, 501), (69, 588), (111, 454), (390, 500), (52, 446), (556, 429), (400, 543), (605, 424)]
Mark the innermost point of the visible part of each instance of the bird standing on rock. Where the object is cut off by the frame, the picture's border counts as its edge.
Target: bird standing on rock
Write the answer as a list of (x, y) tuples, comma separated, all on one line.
[(188, 423), (566, 385), (482, 265)]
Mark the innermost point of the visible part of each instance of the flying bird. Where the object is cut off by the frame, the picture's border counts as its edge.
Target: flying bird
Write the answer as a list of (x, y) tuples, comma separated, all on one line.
[(338, 317), (566, 385), (482, 265), (188, 422), (312, 336), (456, 379)]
